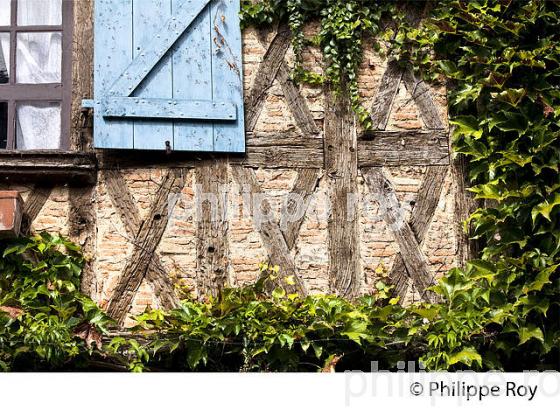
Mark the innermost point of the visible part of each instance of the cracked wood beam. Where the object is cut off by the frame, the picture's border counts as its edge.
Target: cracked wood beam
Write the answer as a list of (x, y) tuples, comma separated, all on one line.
[(266, 73), (295, 101), (294, 212), (414, 260), (341, 166), (82, 222), (270, 232), (422, 96), (212, 226), (422, 215), (34, 203), (126, 208), (381, 107)]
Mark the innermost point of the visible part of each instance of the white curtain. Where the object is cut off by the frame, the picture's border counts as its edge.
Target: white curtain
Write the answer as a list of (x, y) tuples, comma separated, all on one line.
[(38, 126), (5, 12), (39, 12), (39, 58), (4, 57), (39, 61)]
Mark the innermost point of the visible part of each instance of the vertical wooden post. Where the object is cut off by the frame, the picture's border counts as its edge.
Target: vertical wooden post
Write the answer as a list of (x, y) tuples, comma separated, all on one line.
[(212, 226), (465, 205), (341, 164), (82, 222)]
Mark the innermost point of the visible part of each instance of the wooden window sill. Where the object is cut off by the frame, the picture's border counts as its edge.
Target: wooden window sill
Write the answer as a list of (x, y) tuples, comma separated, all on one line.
[(69, 167)]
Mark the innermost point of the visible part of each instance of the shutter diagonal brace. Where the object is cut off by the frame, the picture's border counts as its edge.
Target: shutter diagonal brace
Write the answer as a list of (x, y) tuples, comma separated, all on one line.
[(119, 103), (144, 63)]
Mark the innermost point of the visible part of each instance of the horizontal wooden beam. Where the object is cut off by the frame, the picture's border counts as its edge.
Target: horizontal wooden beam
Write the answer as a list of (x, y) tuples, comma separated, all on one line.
[(403, 148), (51, 166), (285, 150), (134, 107)]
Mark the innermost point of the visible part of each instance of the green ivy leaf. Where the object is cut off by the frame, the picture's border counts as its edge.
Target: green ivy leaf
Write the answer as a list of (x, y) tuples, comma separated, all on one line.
[(467, 356), (530, 332)]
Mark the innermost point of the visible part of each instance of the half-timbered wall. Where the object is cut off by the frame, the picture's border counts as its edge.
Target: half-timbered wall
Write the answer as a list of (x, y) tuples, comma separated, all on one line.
[(299, 140)]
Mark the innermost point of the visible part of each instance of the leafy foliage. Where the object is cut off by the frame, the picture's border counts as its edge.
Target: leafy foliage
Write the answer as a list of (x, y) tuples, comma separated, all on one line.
[(345, 25), (45, 322), (501, 62), (247, 329)]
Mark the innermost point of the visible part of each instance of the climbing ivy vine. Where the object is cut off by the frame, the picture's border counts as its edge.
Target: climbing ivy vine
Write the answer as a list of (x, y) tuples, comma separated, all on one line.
[(501, 62), (345, 27)]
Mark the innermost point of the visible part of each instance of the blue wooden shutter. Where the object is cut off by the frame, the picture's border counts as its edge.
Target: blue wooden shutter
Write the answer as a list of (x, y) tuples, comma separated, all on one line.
[(168, 73)]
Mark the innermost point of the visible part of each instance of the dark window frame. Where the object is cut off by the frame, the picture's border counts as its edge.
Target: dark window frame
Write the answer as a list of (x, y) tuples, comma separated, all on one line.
[(14, 93)]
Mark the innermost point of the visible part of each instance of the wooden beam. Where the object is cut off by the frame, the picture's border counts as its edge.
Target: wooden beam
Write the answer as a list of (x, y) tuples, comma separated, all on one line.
[(341, 166), (306, 182), (212, 226), (424, 100), (48, 166), (403, 148), (34, 203), (381, 107), (82, 230), (285, 150), (427, 200), (135, 107), (126, 208), (296, 103), (271, 234), (465, 205), (265, 76), (414, 260)]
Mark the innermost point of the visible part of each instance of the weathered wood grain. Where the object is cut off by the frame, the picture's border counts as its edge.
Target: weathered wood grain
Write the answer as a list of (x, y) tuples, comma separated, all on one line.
[(341, 166), (212, 226), (465, 205), (271, 234), (403, 148), (265, 76), (422, 214), (293, 213), (296, 103), (48, 167), (381, 107), (82, 230), (33, 204), (424, 100), (128, 212), (285, 150), (82, 70), (414, 260)]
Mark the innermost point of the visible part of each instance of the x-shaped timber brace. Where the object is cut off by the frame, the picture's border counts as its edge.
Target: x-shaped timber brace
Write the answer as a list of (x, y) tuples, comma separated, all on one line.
[(339, 153)]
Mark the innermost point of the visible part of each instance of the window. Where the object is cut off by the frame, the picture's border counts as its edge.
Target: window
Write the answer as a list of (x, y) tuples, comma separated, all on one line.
[(35, 74)]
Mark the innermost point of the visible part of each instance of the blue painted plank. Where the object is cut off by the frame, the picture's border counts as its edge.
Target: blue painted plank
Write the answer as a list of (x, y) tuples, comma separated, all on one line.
[(148, 19), (156, 49), (227, 73), (134, 107), (192, 72), (113, 53)]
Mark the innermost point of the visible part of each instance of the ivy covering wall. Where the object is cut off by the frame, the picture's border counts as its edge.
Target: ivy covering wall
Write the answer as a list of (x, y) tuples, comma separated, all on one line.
[(501, 62)]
